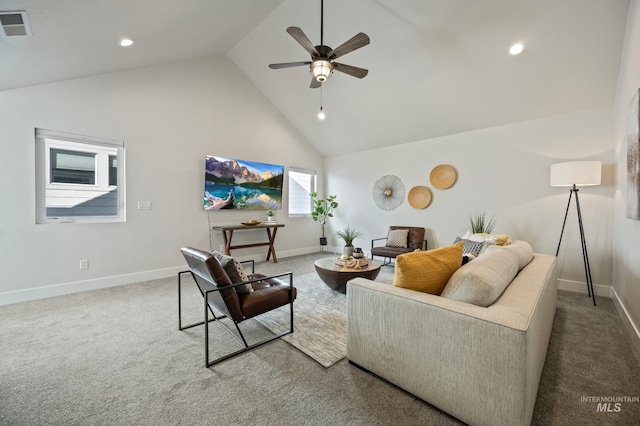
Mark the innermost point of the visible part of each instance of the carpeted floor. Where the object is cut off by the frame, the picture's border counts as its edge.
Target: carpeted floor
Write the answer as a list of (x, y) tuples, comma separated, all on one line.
[(320, 322), (115, 356)]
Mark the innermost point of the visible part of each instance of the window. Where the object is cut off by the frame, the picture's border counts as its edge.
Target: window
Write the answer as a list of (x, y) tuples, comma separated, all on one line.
[(301, 184), (78, 178)]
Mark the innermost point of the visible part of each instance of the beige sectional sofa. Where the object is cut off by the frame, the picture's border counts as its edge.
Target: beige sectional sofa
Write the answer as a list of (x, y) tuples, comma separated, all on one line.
[(480, 364)]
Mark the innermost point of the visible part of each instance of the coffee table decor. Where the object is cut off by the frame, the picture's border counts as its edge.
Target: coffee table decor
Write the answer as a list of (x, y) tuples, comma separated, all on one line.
[(352, 262), (336, 275)]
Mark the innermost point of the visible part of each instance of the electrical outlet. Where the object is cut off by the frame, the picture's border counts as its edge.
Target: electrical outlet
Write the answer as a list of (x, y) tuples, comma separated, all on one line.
[(84, 264), (144, 205)]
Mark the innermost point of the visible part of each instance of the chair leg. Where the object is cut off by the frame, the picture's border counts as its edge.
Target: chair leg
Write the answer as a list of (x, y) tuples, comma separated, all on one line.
[(385, 262), (241, 335), (180, 327), (291, 310), (206, 332), (247, 348)]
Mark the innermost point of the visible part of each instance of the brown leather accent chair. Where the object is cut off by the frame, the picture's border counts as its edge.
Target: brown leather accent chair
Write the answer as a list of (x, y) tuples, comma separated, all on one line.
[(219, 293), (415, 240)]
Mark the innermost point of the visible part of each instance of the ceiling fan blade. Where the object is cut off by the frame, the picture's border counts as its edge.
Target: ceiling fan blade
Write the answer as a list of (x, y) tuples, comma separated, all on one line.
[(314, 83), (348, 69), (356, 42), (288, 65), (304, 41)]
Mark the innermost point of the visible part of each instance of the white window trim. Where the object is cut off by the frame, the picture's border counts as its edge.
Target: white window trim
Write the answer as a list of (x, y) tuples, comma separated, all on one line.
[(46, 140), (314, 184)]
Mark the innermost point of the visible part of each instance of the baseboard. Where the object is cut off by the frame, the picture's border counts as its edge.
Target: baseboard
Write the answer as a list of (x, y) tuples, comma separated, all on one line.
[(632, 328), (581, 287), (18, 296)]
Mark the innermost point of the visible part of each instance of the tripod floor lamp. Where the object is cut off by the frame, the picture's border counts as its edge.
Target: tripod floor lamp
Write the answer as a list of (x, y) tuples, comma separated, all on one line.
[(574, 174)]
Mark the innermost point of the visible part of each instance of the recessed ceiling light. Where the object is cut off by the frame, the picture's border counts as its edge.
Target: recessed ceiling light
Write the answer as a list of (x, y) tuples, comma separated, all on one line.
[(125, 42), (516, 48)]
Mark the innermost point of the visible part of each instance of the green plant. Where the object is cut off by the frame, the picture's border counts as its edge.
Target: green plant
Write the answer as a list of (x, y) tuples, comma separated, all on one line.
[(479, 224), (349, 234), (270, 213), (322, 209)]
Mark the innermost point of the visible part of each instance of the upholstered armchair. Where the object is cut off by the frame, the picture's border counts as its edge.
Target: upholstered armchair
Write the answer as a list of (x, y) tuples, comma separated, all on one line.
[(233, 298), (399, 240)]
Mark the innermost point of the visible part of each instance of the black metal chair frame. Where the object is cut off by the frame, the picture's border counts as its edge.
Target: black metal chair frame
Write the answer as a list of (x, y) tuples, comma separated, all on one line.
[(208, 309), (387, 259)]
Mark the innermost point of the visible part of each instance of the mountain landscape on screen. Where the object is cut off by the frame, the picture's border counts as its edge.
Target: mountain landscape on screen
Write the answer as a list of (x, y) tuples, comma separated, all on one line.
[(239, 184)]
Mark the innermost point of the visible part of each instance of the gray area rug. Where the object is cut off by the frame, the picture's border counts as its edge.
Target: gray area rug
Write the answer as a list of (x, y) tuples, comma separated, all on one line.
[(320, 319)]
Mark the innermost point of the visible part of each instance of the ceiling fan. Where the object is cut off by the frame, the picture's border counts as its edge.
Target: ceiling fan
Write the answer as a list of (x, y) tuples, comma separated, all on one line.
[(321, 64)]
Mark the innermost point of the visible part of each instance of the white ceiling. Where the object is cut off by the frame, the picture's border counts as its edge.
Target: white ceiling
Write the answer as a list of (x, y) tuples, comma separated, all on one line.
[(436, 67)]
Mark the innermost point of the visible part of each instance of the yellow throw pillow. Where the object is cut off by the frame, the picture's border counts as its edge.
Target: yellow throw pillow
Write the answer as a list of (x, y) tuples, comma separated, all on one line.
[(502, 240), (428, 271)]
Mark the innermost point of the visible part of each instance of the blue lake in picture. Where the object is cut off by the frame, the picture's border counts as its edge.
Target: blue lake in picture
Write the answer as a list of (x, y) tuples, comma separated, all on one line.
[(249, 198)]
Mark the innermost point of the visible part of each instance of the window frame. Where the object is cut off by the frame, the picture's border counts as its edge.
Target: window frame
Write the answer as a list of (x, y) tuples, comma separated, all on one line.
[(314, 182), (104, 150)]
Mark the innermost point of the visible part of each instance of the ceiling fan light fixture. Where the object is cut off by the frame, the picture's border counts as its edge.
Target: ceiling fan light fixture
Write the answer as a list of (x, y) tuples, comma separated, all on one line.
[(516, 48), (321, 114), (321, 69), (125, 42)]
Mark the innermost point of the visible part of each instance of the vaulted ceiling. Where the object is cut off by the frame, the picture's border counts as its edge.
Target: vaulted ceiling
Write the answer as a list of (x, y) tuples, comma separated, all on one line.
[(436, 67)]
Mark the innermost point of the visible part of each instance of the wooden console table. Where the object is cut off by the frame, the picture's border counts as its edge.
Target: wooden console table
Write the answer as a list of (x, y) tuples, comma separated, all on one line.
[(227, 235)]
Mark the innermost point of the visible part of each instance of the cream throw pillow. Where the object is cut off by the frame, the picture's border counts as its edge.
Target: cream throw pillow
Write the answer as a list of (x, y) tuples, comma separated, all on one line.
[(520, 248), (397, 238), (428, 271), (483, 280), (234, 270)]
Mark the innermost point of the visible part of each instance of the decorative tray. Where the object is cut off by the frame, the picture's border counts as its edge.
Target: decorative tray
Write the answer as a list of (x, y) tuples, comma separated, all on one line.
[(352, 262), (251, 222)]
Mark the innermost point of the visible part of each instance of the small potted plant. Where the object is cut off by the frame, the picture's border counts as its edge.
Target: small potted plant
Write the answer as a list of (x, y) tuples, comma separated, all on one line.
[(321, 211), (479, 224), (270, 214), (349, 234)]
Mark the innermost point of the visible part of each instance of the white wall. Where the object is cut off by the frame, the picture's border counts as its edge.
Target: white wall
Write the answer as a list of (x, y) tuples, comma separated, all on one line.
[(170, 117), (626, 275), (503, 171)]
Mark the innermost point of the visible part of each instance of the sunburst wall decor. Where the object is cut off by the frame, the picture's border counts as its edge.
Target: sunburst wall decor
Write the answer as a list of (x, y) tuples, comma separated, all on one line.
[(388, 192)]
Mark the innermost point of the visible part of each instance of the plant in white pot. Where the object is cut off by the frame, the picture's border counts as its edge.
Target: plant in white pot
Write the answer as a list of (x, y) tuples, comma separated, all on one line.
[(270, 214), (349, 234), (322, 210)]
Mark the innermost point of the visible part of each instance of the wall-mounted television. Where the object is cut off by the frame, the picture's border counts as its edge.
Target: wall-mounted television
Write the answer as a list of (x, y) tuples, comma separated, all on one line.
[(239, 184)]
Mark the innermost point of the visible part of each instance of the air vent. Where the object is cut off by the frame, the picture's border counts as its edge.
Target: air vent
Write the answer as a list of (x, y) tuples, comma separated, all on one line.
[(14, 24)]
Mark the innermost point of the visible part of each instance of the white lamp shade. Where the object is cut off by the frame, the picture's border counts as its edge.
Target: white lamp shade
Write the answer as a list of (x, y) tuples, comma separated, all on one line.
[(579, 173)]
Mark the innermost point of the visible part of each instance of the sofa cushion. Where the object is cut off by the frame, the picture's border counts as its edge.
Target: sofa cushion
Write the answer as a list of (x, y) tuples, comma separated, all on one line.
[(520, 248), (397, 238), (427, 271), (234, 270), (482, 281)]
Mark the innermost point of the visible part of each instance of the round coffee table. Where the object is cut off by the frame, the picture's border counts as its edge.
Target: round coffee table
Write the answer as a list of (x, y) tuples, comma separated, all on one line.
[(336, 276)]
